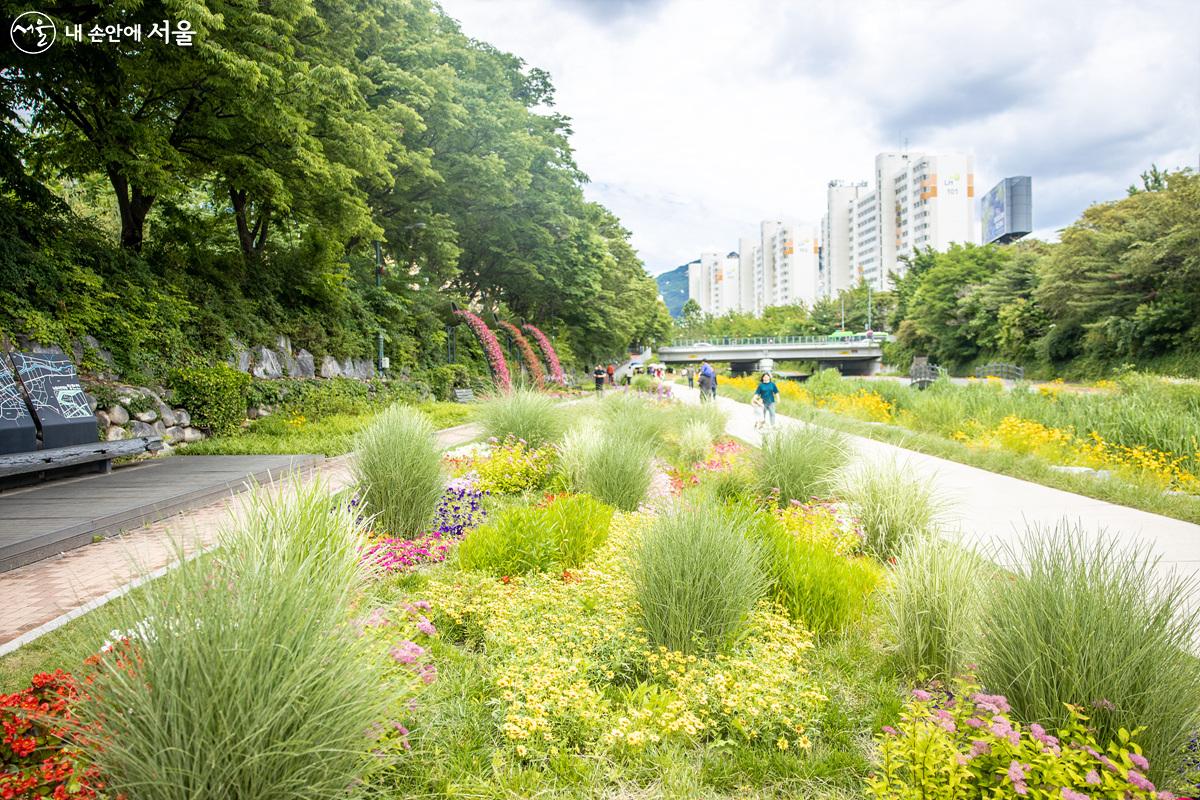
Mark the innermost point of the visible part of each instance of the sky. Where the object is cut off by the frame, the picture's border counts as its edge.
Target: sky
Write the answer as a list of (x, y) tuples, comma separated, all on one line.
[(696, 119)]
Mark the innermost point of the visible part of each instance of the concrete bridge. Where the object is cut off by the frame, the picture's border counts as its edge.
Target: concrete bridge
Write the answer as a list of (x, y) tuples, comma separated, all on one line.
[(852, 355)]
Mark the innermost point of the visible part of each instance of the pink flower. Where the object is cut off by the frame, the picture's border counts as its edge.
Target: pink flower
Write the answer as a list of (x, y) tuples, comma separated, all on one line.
[(425, 626), (921, 695), (975, 722), (1139, 761), (980, 748), (1139, 780), (1071, 794), (491, 348), (1016, 774), (407, 652), (1092, 778), (556, 370), (428, 674), (993, 703), (890, 731), (1003, 729)]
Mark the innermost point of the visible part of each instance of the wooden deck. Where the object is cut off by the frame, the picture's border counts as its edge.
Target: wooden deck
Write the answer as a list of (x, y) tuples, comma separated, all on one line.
[(43, 520)]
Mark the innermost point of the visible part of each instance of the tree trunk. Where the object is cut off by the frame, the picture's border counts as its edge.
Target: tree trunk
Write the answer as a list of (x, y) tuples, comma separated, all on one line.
[(251, 238), (133, 205)]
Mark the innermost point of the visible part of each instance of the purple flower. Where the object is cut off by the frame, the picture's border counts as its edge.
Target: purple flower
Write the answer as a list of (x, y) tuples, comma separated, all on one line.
[(1071, 794), (974, 722), (1003, 729), (1139, 761), (556, 370), (921, 695), (491, 349), (890, 731), (993, 703), (1092, 778), (425, 626), (428, 674), (980, 748)]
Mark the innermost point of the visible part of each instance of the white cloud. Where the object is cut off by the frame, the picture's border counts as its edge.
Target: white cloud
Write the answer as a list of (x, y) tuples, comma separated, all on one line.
[(697, 118)]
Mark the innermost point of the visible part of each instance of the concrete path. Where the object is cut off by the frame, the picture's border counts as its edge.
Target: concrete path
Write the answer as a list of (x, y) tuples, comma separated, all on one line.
[(39, 597), (990, 510)]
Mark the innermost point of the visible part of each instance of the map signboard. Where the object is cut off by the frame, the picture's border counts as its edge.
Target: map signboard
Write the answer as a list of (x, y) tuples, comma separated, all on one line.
[(58, 401), (18, 433)]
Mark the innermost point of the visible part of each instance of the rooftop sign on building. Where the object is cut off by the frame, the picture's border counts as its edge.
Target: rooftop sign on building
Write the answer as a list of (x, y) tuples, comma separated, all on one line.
[(1007, 210)]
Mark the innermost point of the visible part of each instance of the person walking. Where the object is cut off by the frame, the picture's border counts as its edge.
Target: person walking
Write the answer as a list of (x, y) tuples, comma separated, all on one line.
[(707, 381), (611, 372), (600, 375), (768, 393), (691, 377)]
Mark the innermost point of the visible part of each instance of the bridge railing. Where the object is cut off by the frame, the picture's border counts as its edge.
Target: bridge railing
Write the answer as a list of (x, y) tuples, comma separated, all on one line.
[(875, 338)]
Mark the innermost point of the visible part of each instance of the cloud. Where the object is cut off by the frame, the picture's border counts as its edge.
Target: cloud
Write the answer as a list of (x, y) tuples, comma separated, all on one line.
[(697, 118)]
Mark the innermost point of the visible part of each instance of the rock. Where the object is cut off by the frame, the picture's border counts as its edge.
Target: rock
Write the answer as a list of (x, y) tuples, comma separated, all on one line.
[(182, 418), (146, 416), (167, 415), (114, 433), (283, 346), (241, 356), (91, 401), (192, 434), (263, 411), (174, 433), (117, 415), (252, 413), (102, 419), (139, 428), (305, 365), (330, 367), (266, 363), (160, 429), (362, 369)]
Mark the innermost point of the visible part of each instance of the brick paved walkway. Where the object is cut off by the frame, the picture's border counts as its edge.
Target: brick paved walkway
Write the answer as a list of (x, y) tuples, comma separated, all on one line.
[(40, 594)]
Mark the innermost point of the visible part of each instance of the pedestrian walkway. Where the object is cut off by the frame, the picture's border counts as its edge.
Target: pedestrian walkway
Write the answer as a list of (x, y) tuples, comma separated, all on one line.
[(990, 510), (39, 597)]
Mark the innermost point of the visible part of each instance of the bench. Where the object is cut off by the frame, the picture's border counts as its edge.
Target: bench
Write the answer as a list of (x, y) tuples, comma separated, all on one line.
[(47, 424), (464, 395)]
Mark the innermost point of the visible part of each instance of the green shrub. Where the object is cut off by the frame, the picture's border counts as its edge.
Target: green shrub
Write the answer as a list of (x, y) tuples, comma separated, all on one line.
[(800, 461), (316, 399), (512, 467), (609, 466), (939, 751), (643, 383), (697, 577), (1092, 621), (248, 680), (399, 467), (523, 414), (893, 506), (215, 396), (521, 539), (734, 485), (827, 592), (932, 607)]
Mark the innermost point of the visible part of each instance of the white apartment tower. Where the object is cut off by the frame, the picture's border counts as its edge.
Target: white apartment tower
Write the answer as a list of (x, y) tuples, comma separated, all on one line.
[(917, 200), (713, 282), (836, 269), (746, 260)]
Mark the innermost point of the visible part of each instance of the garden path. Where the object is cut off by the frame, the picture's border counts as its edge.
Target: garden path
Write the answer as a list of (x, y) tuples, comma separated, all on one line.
[(37, 598), (990, 509)]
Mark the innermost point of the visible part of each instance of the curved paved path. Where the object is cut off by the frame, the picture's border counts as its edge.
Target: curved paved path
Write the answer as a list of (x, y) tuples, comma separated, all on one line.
[(990, 509), (40, 597)]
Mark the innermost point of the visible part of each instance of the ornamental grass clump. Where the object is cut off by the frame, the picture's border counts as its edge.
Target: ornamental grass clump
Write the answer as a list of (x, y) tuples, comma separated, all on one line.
[(692, 444), (240, 675), (635, 419), (399, 466), (1093, 621), (697, 577), (708, 414), (605, 463), (932, 607), (798, 462), (559, 535), (523, 413), (893, 505)]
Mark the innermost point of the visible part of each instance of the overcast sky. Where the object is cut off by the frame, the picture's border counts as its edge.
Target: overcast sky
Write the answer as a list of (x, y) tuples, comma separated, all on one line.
[(695, 119)]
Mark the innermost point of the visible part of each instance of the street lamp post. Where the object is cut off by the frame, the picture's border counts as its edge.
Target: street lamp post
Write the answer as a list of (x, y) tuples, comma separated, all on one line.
[(379, 283)]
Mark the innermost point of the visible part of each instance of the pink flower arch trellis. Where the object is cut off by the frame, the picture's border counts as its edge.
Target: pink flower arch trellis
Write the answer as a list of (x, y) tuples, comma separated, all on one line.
[(556, 371), (491, 349)]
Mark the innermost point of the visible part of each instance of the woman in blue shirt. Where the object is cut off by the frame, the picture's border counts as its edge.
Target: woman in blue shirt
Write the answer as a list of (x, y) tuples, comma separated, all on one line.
[(768, 393)]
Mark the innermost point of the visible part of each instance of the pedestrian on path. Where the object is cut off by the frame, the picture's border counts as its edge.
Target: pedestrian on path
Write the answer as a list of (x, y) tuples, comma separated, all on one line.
[(600, 375), (691, 377), (708, 381), (611, 372), (768, 394)]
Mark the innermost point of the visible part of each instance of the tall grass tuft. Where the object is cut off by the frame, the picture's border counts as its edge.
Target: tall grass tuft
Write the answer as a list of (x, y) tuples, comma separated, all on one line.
[(521, 539), (399, 467), (827, 592), (635, 418), (246, 680), (709, 414), (932, 608), (608, 465), (697, 577), (1092, 621), (800, 461), (692, 444), (892, 505), (523, 413)]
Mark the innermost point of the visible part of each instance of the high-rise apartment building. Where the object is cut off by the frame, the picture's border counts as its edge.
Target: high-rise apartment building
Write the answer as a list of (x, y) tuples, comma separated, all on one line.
[(779, 268), (713, 282), (916, 201)]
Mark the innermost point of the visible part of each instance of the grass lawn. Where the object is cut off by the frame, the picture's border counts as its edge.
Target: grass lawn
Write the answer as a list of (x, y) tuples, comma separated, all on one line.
[(332, 435)]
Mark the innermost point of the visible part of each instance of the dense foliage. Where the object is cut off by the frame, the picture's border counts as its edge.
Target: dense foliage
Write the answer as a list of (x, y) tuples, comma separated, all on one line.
[(167, 198)]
